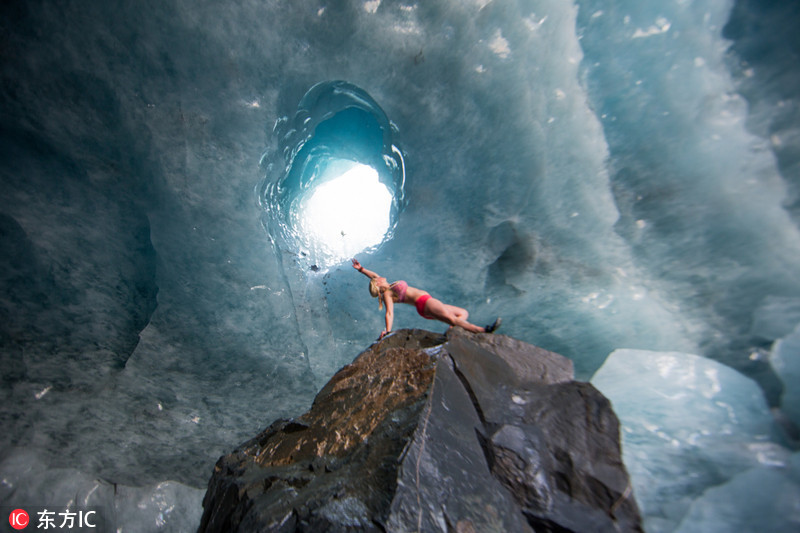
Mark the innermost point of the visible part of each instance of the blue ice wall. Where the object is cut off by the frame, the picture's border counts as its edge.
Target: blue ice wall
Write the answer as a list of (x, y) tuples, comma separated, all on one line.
[(603, 174), (694, 433), (700, 196)]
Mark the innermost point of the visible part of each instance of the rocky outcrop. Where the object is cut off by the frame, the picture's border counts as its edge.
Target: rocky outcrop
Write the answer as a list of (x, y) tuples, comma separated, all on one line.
[(458, 433)]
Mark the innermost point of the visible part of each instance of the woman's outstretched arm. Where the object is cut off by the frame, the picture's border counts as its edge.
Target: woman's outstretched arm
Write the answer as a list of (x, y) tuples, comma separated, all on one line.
[(370, 274), (389, 313)]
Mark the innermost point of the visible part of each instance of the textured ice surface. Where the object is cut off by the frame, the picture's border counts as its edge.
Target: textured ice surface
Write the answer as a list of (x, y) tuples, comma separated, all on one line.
[(164, 506), (785, 359), (765, 498), (689, 424), (696, 190), (764, 49), (776, 317)]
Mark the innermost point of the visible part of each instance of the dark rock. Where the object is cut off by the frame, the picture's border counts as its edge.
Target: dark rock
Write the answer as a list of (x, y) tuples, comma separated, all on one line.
[(430, 433)]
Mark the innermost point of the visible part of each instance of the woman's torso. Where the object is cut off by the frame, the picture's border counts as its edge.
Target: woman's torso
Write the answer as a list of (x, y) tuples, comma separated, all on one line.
[(402, 292)]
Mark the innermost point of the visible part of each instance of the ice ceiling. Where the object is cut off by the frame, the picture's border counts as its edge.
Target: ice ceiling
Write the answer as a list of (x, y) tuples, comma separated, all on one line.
[(607, 175)]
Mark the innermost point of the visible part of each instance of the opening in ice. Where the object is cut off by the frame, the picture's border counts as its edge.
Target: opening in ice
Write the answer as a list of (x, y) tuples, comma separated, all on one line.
[(346, 214), (334, 187)]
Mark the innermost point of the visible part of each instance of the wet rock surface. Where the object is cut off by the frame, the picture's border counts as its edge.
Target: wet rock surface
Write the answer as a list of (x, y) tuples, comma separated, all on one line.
[(424, 432)]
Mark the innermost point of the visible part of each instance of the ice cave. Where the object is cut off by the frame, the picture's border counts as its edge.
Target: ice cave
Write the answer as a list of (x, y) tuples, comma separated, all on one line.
[(183, 184)]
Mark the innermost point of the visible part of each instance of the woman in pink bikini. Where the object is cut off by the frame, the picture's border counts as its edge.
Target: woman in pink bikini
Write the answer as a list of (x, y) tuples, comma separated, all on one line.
[(427, 306)]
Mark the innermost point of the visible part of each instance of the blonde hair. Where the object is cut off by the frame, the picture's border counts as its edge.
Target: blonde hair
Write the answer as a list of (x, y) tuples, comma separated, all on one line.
[(376, 292)]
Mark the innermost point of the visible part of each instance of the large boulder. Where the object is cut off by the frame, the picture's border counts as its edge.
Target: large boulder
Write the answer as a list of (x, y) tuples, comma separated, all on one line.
[(424, 432)]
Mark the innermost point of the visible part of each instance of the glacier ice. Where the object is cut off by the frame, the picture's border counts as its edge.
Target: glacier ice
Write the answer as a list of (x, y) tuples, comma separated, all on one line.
[(163, 506), (776, 317), (764, 498), (689, 425), (785, 359), (763, 48), (696, 189)]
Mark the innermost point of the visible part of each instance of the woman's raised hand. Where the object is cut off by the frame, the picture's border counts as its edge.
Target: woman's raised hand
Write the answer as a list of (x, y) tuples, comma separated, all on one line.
[(356, 264)]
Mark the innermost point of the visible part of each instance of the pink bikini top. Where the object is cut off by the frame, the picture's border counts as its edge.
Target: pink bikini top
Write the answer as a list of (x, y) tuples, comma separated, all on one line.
[(399, 288)]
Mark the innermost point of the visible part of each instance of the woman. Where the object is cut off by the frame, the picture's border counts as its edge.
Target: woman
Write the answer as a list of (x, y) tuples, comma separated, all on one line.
[(427, 307)]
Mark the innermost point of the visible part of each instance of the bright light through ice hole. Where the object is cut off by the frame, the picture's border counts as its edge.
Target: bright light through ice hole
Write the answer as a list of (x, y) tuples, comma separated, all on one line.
[(346, 214)]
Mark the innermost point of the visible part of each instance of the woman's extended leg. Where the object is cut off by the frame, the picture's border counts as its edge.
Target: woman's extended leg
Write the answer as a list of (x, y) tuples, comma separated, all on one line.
[(450, 314), (460, 313)]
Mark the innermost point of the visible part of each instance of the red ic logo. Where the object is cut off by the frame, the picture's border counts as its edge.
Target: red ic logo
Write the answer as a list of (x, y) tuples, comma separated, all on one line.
[(18, 519)]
